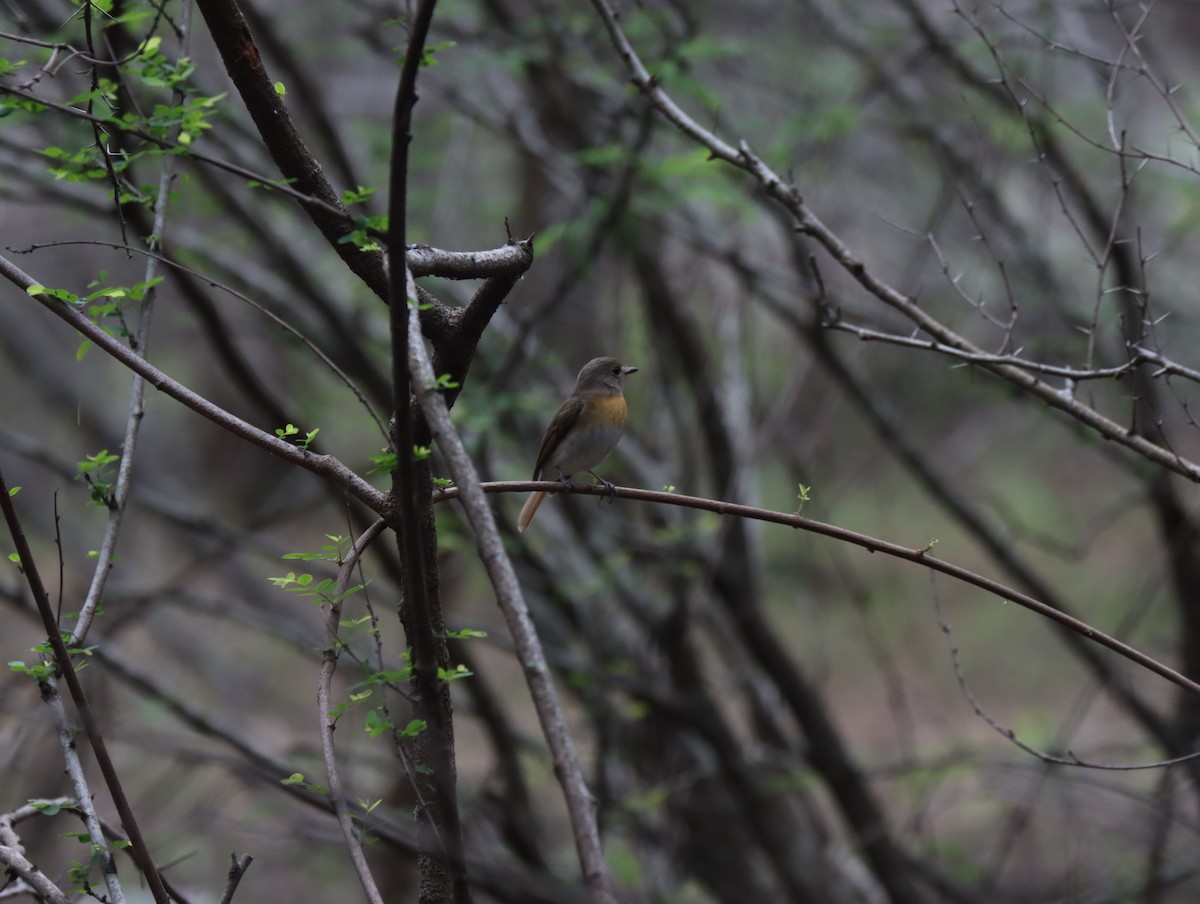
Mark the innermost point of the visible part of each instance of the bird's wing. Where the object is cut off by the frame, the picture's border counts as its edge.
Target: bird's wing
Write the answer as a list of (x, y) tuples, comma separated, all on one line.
[(559, 427)]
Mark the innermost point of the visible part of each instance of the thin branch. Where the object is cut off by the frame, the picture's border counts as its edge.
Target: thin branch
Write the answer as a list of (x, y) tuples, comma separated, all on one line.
[(1072, 374), (12, 853), (140, 345), (329, 658), (237, 869), (920, 556), (322, 465), (67, 672), (1010, 735)]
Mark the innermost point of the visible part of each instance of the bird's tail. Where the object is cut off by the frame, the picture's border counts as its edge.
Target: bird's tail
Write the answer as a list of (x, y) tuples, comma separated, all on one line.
[(529, 509)]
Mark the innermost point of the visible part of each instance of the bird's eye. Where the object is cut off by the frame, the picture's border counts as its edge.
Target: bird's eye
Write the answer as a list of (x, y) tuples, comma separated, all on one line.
[(617, 371)]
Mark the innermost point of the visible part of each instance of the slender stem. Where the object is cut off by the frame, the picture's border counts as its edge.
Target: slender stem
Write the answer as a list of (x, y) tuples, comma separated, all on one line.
[(921, 556), (329, 658), (62, 656), (137, 388)]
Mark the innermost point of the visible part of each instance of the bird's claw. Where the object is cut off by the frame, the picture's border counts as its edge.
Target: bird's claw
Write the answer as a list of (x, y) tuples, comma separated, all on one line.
[(610, 489)]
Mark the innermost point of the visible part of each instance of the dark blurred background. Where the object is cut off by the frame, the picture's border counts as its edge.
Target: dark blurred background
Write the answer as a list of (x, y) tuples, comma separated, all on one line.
[(764, 714)]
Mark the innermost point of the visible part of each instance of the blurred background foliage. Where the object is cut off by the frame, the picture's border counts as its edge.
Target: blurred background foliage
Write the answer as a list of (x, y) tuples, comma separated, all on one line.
[(765, 714)]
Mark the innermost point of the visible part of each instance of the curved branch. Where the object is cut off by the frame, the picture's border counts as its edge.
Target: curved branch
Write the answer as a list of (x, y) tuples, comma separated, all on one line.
[(920, 556)]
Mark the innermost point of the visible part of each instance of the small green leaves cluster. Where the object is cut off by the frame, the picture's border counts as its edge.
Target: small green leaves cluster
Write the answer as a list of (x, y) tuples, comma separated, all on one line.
[(46, 667), (136, 292), (306, 586), (104, 304), (180, 120), (362, 236), (97, 472), (155, 70), (464, 634), (366, 807), (430, 51), (803, 496), (180, 124), (297, 779), (291, 430), (383, 463), (51, 807), (333, 551), (454, 674), (302, 585), (360, 195), (80, 872)]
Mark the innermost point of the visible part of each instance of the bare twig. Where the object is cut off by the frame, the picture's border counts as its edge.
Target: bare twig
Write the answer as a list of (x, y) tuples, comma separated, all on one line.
[(237, 869), (329, 658), (12, 853), (1009, 734), (139, 345), (920, 556)]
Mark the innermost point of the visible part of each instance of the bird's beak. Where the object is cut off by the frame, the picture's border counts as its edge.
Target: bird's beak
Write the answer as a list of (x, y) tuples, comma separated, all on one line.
[(629, 370)]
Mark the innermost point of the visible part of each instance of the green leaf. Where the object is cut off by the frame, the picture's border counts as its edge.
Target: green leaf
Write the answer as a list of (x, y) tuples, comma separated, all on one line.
[(465, 633), (459, 671), (414, 728), (376, 723)]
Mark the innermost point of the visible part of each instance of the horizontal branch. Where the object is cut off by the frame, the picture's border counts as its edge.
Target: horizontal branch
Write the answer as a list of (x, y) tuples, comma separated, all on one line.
[(1074, 374), (513, 257), (920, 556)]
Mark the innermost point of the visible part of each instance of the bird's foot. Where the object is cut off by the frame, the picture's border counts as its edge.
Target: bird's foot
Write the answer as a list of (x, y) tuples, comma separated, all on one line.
[(610, 488)]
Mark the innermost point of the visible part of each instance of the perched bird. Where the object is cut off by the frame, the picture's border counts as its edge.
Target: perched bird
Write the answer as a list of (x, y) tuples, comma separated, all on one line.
[(586, 428)]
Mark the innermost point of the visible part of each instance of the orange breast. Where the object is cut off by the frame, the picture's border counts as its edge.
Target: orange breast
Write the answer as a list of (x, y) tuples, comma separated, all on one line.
[(590, 438)]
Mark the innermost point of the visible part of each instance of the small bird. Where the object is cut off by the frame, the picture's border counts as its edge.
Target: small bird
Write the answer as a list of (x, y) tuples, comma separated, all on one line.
[(586, 428)]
